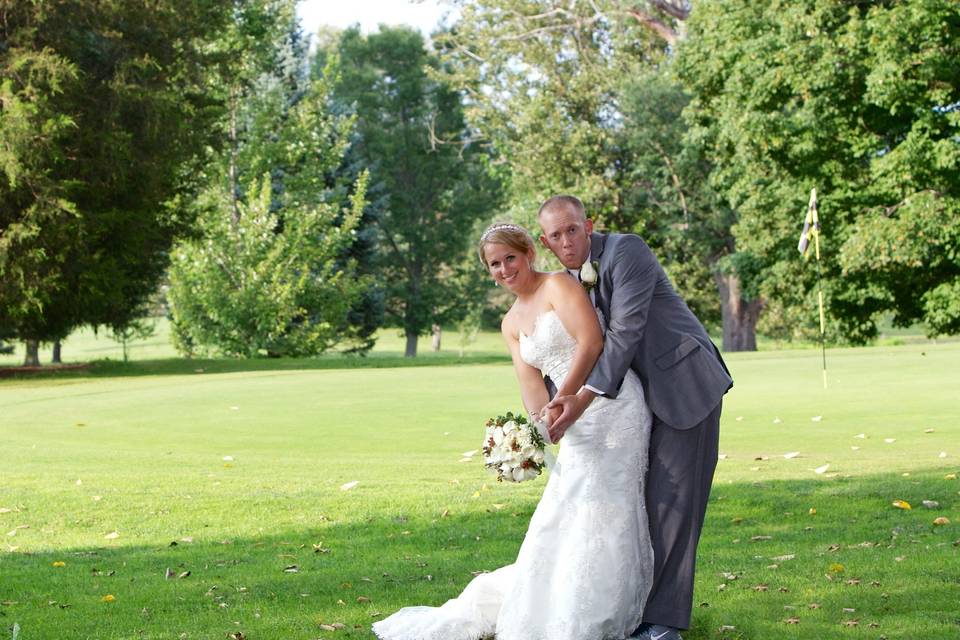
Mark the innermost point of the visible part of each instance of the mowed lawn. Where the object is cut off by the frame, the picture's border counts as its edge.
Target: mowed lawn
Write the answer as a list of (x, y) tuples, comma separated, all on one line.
[(297, 503)]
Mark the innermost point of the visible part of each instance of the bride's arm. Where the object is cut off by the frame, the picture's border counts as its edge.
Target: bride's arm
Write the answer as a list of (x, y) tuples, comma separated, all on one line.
[(533, 391), (579, 318)]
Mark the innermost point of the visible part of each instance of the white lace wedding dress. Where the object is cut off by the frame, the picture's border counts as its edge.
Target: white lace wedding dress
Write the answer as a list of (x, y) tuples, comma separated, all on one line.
[(586, 564)]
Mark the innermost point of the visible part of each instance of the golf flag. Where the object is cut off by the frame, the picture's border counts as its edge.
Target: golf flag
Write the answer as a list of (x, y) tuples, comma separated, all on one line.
[(811, 226)]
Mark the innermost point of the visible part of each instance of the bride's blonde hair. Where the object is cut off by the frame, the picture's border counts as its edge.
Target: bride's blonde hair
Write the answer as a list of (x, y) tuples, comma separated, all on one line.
[(512, 235)]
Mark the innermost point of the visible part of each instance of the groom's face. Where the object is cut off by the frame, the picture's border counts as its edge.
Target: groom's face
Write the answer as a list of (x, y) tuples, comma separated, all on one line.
[(566, 232)]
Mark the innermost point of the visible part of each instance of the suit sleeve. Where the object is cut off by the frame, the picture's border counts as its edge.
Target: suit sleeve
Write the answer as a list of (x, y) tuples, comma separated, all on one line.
[(633, 274)]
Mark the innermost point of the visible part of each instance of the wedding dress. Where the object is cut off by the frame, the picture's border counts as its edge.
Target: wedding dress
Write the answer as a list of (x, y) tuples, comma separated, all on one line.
[(585, 566)]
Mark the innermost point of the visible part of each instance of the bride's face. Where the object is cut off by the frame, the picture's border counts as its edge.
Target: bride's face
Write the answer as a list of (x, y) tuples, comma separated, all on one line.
[(508, 266)]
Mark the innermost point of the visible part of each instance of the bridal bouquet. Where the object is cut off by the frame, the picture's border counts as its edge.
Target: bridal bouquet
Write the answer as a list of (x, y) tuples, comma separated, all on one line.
[(513, 448)]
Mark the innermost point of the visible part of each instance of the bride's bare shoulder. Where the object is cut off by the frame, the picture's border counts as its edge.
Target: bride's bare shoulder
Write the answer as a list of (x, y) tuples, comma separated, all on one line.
[(508, 324), (560, 281)]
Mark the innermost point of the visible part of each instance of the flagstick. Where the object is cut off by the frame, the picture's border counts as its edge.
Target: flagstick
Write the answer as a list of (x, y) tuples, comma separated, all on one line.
[(823, 342)]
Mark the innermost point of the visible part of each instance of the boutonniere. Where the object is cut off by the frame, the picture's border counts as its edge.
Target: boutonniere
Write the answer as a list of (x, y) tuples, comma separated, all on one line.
[(589, 274)]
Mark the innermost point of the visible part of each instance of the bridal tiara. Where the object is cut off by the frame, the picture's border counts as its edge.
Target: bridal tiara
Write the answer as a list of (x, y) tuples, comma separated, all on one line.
[(501, 226)]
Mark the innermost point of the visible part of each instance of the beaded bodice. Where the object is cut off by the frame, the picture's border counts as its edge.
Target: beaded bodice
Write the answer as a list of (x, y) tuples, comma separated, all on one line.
[(549, 347)]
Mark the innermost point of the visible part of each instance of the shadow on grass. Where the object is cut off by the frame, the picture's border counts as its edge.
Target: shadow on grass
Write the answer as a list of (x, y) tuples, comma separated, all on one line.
[(183, 366), (768, 568)]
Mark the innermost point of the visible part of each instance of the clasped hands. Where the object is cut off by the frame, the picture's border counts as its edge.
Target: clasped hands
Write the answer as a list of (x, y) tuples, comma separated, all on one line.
[(563, 411)]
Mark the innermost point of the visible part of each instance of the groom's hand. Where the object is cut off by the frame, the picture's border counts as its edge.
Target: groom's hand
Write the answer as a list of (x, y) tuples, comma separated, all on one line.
[(571, 407)]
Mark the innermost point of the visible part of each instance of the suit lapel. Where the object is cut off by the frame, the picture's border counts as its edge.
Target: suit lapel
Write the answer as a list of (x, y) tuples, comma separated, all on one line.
[(597, 243)]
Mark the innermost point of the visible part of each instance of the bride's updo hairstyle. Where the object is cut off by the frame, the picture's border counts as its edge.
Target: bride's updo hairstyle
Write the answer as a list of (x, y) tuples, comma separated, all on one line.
[(512, 235)]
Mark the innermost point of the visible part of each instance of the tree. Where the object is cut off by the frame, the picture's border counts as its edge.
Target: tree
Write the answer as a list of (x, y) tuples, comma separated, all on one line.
[(270, 271), (666, 190), (581, 99), (543, 85), (429, 181), (105, 120), (859, 101), (270, 283)]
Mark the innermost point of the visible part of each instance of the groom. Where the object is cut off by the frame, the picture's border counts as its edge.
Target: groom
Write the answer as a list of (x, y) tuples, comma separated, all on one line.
[(652, 331)]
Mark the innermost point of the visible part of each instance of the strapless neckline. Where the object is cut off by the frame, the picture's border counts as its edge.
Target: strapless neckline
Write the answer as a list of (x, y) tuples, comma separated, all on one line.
[(536, 324)]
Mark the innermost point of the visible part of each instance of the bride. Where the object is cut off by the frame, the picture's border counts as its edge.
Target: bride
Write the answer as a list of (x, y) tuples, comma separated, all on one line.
[(586, 564)]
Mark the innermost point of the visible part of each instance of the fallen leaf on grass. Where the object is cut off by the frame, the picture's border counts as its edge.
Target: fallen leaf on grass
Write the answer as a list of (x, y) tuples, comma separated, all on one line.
[(113, 535), (469, 454), (59, 563), (349, 485), (902, 504), (237, 635), (889, 440), (862, 436), (789, 556), (362, 599), (943, 454), (760, 538), (816, 418), (777, 421), (812, 511), (950, 476), (836, 567), (291, 569), (821, 470), (108, 598), (760, 587), (791, 455), (813, 605), (939, 522), (792, 620), (931, 504), (851, 623)]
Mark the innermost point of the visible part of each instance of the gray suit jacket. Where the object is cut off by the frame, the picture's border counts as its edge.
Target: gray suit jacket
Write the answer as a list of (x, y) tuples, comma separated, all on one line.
[(651, 330)]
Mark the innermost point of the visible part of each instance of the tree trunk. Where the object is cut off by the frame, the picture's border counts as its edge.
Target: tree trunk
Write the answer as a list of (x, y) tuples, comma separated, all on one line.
[(436, 337), (411, 351), (739, 315), (56, 353), (32, 358)]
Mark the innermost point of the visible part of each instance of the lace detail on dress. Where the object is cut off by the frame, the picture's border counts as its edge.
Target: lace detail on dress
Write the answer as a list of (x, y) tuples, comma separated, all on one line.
[(585, 566), (548, 348)]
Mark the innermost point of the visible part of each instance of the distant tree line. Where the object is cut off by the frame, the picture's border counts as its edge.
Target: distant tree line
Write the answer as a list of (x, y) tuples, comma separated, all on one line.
[(295, 201)]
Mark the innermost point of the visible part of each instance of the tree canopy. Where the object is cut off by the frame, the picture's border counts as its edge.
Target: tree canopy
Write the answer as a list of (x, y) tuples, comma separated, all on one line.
[(430, 182), (861, 102)]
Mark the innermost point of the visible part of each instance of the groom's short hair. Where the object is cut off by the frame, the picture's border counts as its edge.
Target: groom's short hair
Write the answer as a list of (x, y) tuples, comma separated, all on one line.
[(563, 202)]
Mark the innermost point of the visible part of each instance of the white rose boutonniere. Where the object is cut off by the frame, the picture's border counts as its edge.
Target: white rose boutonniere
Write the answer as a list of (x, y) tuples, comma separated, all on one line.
[(589, 275)]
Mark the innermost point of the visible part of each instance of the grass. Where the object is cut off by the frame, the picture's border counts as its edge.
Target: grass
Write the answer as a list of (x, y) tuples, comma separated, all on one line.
[(85, 345), (244, 468)]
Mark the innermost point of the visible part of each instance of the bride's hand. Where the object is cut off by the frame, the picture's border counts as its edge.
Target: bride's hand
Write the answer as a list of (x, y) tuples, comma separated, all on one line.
[(565, 411), (549, 414)]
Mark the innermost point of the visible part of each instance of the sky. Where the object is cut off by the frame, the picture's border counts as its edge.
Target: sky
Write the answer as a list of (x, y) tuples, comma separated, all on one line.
[(422, 14)]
